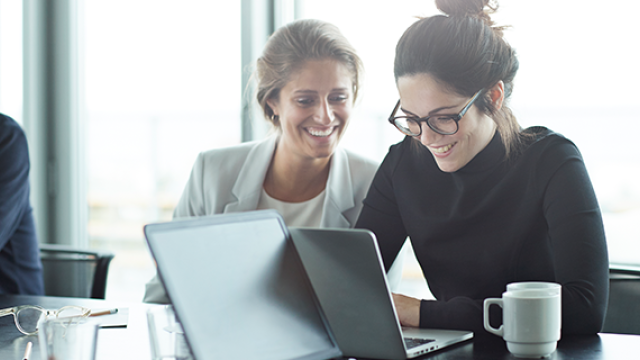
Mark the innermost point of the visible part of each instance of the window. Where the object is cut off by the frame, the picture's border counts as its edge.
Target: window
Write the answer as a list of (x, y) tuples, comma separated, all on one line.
[(162, 83), (11, 59)]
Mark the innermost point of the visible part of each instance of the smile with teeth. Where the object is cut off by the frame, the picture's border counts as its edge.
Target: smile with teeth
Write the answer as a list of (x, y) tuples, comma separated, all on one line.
[(442, 149), (321, 132)]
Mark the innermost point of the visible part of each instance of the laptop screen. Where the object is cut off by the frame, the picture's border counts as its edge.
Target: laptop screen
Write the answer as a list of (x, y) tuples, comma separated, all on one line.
[(239, 288)]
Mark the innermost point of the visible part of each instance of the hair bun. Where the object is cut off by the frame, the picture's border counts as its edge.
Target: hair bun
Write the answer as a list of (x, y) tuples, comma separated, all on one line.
[(469, 8)]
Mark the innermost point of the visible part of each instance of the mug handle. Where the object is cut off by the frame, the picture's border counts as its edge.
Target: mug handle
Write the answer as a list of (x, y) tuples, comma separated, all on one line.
[(487, 303)]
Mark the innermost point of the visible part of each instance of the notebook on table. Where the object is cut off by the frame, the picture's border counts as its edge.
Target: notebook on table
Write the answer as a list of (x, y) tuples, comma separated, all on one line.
[(239, 289), (347, 274)]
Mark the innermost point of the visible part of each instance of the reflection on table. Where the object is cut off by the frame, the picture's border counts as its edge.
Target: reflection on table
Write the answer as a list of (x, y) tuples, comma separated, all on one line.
[(132, 342)]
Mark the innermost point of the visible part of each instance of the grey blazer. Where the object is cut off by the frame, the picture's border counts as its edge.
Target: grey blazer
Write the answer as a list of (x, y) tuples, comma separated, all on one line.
[(230, 180)]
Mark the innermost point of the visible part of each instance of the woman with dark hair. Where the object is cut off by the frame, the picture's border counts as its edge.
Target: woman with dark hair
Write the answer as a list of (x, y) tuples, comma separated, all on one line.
[(484, 202), (308, 79)]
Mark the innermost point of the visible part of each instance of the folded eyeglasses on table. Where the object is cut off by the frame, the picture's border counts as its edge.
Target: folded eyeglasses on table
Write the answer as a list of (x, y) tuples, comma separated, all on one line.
[(26, 317)]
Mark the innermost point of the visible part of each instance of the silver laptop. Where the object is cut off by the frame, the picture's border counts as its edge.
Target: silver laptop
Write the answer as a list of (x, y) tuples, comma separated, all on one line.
[(346, 270), (239, 289)]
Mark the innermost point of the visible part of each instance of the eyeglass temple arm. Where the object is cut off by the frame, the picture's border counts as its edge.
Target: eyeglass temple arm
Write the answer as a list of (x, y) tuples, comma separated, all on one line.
[(7, 311), (468, 106), (395, 109)]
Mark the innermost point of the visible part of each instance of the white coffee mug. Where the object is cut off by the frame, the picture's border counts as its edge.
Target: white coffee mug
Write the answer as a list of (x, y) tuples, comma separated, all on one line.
[(531, 318)]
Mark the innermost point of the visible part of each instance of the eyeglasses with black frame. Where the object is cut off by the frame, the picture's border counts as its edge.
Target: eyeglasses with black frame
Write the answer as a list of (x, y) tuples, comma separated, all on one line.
[(443, 124), (26, 317)]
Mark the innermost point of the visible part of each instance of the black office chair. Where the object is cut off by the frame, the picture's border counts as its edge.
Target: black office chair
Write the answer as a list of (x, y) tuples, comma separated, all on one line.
[(623, 313), (73, 272)]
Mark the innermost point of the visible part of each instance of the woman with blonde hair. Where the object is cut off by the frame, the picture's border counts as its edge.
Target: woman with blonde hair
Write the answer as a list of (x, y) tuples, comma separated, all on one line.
[(308, 79)]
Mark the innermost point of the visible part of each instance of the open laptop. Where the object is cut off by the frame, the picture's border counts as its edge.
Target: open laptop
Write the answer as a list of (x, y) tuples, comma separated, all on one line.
[(239, 289), (347, 274)]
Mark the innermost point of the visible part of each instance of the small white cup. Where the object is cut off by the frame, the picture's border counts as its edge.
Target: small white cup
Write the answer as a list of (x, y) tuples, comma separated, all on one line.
[(532, 318), (67, 338)]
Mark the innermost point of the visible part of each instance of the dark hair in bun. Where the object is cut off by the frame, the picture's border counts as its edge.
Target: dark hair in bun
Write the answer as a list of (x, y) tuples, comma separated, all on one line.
[(480, 9), (468, 8), (464, 51)]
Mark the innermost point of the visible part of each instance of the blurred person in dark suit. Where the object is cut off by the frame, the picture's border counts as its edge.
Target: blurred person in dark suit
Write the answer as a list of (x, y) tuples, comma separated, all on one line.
[(20, 267)]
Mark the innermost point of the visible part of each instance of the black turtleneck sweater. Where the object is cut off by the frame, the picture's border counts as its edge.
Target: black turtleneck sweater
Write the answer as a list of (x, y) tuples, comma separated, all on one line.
[(493, 222)]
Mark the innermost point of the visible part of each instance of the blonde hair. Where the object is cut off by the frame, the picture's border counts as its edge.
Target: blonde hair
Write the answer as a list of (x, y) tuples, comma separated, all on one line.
[(290, 47)]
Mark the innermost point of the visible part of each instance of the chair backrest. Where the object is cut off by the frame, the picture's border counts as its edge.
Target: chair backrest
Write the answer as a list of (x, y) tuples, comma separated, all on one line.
[(623, 313), (73, 272)]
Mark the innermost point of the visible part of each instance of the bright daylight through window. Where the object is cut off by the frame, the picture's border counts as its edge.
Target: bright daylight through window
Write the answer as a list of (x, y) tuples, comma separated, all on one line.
[(161, 86)]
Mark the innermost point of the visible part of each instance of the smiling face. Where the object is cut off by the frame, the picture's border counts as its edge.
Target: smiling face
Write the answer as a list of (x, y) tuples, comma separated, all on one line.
[(314, 108), (421, 96)]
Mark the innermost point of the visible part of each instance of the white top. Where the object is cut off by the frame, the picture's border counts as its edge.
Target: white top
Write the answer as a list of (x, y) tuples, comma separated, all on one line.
[(231, 179), (304, 214)]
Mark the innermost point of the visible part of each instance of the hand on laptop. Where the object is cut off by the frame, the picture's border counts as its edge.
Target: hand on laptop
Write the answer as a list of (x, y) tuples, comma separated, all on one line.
[(408, 310)]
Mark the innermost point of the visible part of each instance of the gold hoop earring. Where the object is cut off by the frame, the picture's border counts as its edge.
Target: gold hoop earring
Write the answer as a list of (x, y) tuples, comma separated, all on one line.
[(275, 118)]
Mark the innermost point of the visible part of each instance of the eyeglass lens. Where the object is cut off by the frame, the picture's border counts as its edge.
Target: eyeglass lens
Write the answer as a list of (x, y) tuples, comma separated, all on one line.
[(70, 311), (443, 124), (28, 319), (440, 124)]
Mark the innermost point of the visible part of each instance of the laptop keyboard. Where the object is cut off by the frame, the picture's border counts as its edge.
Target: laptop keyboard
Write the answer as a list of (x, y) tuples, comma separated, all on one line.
[(413, 342)]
